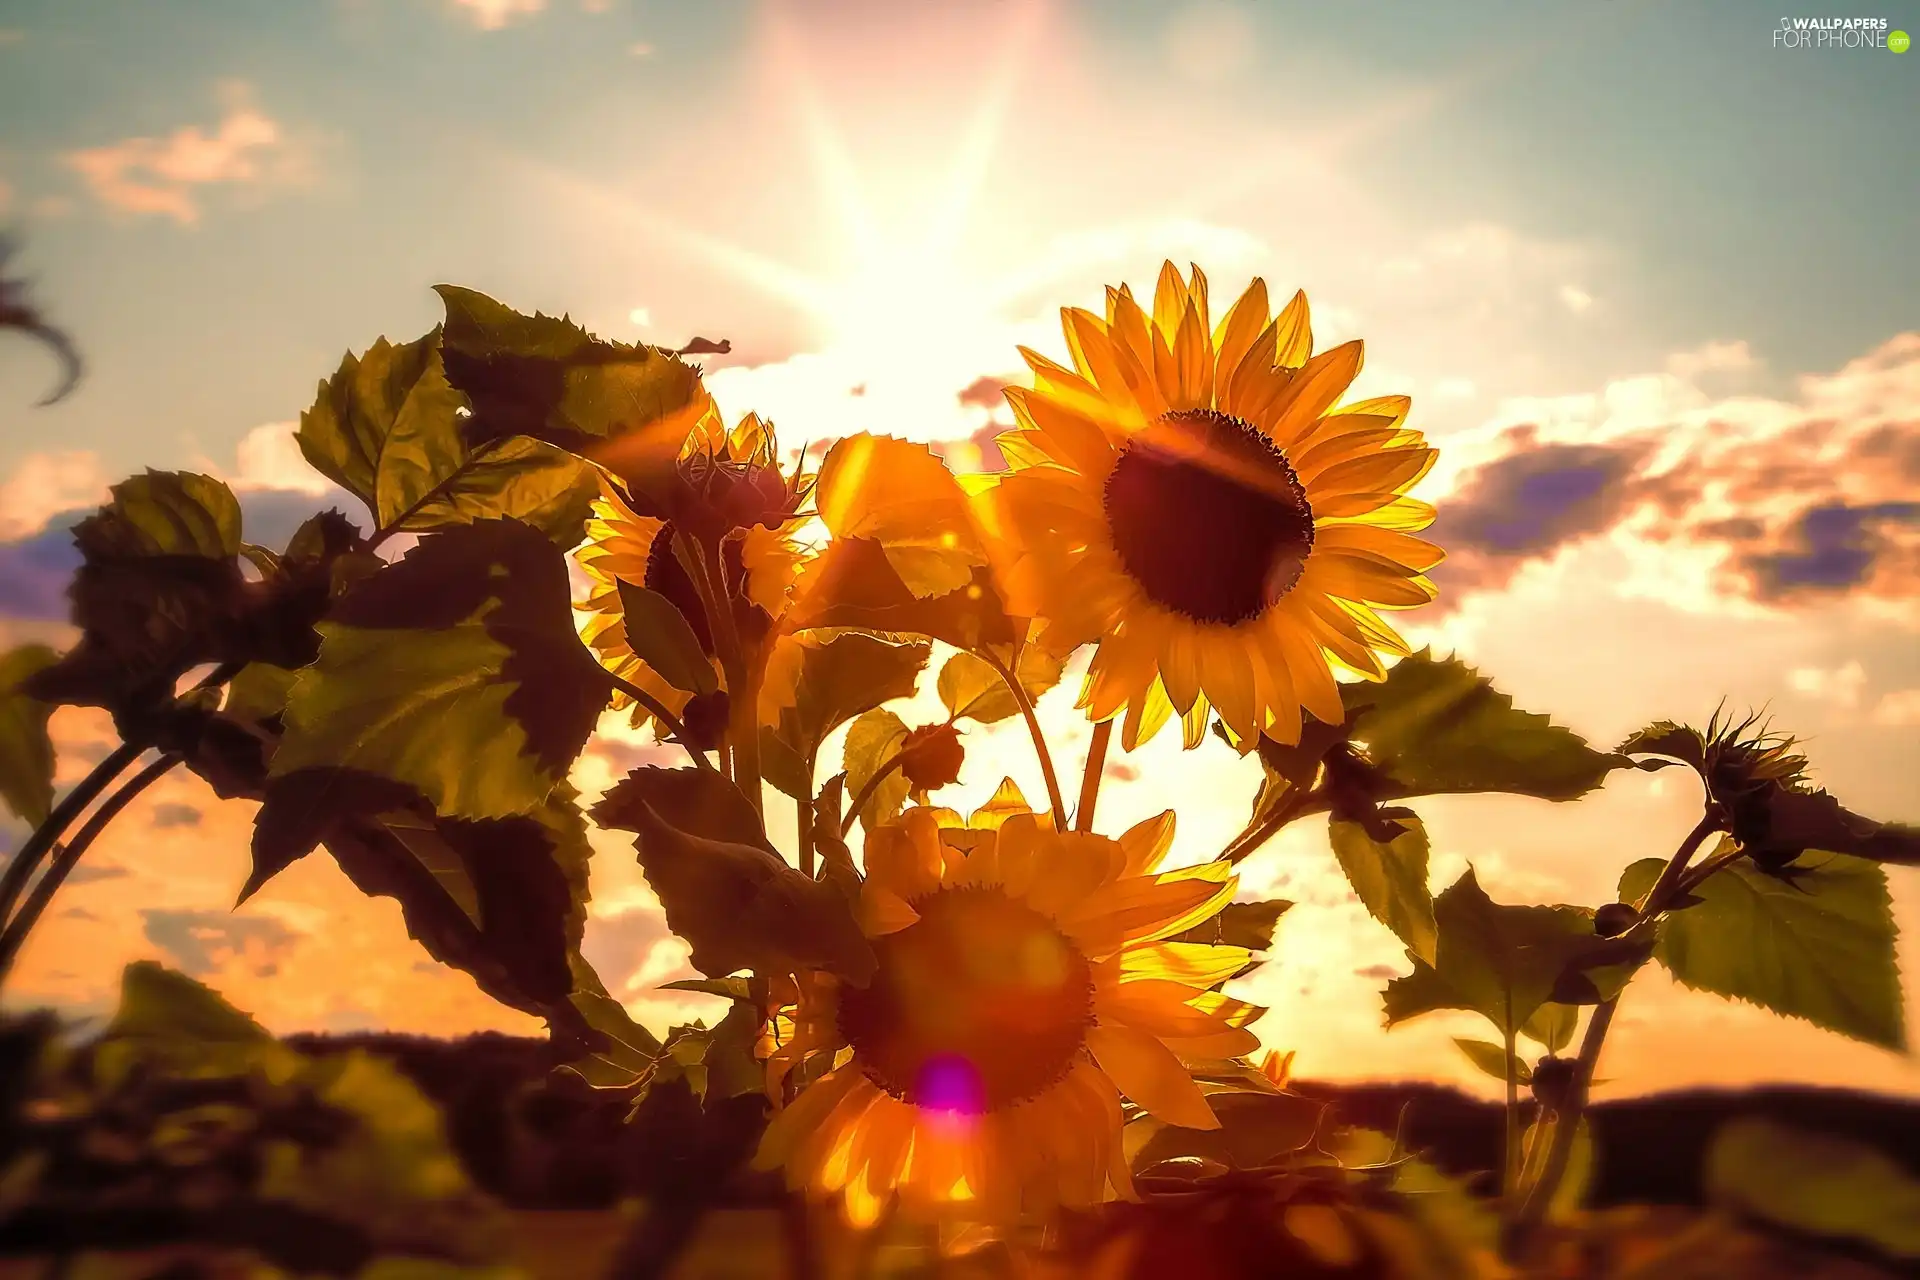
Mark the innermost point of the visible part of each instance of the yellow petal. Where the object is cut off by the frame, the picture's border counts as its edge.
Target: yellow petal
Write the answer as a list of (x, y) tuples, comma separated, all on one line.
[(1416, 554), (1293, 329), (1069, 868), (1157, 1006), (1170, 300), (1198, 964), (1149, 1073), (1238, 329), (1146, 842), (1314, 389), (1146, 713), (1230, 1042), (1388, 472), (883, 912), (798, 1120)]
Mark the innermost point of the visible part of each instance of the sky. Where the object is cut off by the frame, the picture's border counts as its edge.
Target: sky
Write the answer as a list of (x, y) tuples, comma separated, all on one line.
[(1650, 280)]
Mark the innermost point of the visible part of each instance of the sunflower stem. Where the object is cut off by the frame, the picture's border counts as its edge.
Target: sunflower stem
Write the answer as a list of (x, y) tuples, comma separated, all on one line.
[(1510, 1157), (803, 833), (27, 859), (1025, 702), (1567, 1123), (867, 789), (743, 679), (15, 935), (1296, 803), (1090, 779), (658, 711)]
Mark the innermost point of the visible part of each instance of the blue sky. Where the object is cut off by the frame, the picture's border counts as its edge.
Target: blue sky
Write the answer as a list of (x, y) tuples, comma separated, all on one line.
[(1628, 256)]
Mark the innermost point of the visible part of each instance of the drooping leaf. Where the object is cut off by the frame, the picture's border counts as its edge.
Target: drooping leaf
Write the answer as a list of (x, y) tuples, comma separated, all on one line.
[(901, 497), (697, 801), (258, 693), (825, 685), (387, 428), (1437, 726), (503, 899), (1256, 1129), (738, 905), (1815, 1183), (973, 689), (1391, 878), (159, 591), (456, 671), (1818, 946), (629, 408), (1495, 1060), (873, 743), (854, 584), (1800, 820), (659, 636), (1503, 962), (1240, 924), (629, 1052), (26, 750)]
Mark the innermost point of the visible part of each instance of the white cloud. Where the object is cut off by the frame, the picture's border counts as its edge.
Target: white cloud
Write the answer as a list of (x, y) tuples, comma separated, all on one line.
[(1574, 298), (166, 176), (1713, 357), (269, 457), (45, 484), (1840, 686), (1899, 708), (639, 316), (640, 49), (492, 15), (1455, 389)]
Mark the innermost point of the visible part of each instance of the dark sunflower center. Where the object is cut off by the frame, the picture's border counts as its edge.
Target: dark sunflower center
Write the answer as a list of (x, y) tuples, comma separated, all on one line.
[(1209, 517), (980, 1004), (670, 578)]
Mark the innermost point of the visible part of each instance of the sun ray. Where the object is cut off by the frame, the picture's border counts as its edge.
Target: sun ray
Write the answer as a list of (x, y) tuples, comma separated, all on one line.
[(834, 169), (985, 126)]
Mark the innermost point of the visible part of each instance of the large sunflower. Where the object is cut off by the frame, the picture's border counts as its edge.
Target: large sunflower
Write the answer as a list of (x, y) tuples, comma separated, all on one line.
[(1023, 989), (730, 480), (1191, 498)]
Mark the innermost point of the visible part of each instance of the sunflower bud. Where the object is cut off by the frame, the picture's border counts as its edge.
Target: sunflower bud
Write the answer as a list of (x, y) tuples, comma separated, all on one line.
[(1553, 1080), (931, 757), (1614, 919)]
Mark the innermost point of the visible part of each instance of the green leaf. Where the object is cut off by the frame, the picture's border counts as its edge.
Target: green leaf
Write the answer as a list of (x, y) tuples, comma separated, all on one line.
[(258, 693), (26, 750), (1240, 924), (1581, 1165), (159, 1003), (1495, 1060), (1819, 946), (165, 513), (973, 689), (1502, 962), (725, 988), (1391, 878), (659, 635), (159, 591), (456, 671), (840, 679), (1437, 726), (502, 899), (736, 903), (1816, 1184), (629, 408), (701, 802), (387, 429), (873, 741), (856, 585), (1255, 1129), (1552, 1025), (630, 1052)]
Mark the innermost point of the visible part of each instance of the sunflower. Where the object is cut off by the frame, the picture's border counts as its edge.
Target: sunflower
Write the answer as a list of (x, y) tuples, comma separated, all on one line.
[(1192, 499), (1025, 986), (730, 489)]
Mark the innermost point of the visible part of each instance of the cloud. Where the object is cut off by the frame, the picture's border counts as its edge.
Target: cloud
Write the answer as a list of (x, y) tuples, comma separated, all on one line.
[(45, 484), (201, 942), (269, 457), (1738, 504), (1574, 298), (493, 15), (1899, 708), (165, 177), (1841, 685), (172, 813)]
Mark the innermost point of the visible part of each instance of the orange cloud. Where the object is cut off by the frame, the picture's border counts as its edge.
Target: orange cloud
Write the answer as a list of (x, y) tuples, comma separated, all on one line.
[(165, 176)]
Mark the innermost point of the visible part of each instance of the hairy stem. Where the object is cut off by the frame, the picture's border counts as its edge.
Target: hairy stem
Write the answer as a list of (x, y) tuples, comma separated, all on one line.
[(1567, 1120), (867, 789), (1025, 703), (1090, 779), (658, 711), (1510, 1158), (742, 673), (13, 882), (1294, 804), (15, 934)]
